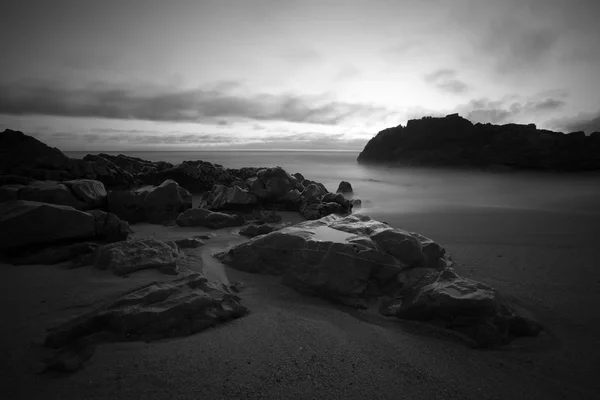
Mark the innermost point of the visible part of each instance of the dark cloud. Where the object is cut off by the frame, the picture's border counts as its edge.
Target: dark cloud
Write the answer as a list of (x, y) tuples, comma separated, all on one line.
[(587, 123), (445, 80), (197, 105)]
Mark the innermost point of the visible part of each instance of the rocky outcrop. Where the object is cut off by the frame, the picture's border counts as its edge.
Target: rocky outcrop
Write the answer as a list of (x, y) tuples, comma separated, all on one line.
[(253, 230), (455, 141), (208, 219), (345, 188), (230, 198), (154, 204), (125, 257), (24, 155), (180, 307), (356, 260), (82, 194), (134, 165), (102, 169), (109, 227), (26, 223), (194, 176)]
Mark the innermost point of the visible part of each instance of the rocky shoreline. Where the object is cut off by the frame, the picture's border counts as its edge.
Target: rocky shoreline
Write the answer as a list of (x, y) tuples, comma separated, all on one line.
[(81, 212)]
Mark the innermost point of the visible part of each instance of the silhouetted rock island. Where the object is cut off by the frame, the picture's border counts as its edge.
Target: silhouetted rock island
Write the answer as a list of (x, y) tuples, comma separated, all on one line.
[(455, 141)]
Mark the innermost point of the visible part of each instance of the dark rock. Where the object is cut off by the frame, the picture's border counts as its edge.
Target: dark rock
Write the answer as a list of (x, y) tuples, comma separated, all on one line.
[(51, 192), (188, 243), (79, 254), (255, 230), (10, 192), (125, 257), (110, 227), (266, 216), (154, 204), (22, 155), (194, 176), (103, 170), (455, 141), (180, 307), (134, 165), (230, 198), (345, 188), (90, 192), (354, 260), (25, 223), (209, 219)]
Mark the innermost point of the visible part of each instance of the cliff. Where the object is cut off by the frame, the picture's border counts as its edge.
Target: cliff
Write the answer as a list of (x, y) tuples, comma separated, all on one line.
[(455, 141)]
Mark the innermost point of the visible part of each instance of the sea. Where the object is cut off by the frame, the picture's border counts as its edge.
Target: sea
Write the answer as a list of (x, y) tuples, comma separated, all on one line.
[(386, 189)]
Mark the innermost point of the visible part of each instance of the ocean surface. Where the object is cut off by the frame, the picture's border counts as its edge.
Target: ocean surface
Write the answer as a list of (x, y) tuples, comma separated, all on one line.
[(387, 190)]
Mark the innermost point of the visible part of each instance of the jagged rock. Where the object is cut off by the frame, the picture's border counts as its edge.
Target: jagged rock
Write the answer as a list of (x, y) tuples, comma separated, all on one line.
[(188, 243), (24, 155), (255, 230), (179, 307), (345, 188), (455, 141), (90, 192), (110, 227), (194, 176), (51, 192), (354, 260), (277, 183), (125, 257), (356, 204), (266, 216), (337, 198), (103, 170), (321, 189), (155, 204), (25, 223), (134, 165), (209, 219), (230, 198)]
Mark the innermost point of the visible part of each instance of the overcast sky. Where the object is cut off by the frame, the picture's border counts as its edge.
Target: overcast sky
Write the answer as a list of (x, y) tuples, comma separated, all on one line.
[(328, 74)]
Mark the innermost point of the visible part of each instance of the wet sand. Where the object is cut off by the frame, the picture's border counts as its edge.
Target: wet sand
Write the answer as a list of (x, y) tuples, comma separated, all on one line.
[(296, 347)]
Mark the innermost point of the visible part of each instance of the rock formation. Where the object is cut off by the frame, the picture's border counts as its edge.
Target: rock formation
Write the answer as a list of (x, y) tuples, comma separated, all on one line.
[(180, 307), (155, 204), (355, 260), (455, 141), (209, 219)]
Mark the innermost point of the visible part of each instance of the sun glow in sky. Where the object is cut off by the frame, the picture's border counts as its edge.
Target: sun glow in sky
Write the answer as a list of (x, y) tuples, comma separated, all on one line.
[(112, 75)]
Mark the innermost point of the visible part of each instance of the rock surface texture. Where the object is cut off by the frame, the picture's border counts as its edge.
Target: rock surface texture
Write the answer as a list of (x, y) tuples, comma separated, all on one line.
[(180, 307), (128, 256), (208, 219), (455, 141), (155, 204), (355, 260)]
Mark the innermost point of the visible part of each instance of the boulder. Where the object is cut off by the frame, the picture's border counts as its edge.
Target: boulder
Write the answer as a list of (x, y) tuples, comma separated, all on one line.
[(266, 216), (194, 176), (78, 254), (179, 307), (345, 188), (253, 230), (189, 243), (103, 170), (51, 192), (109, 227), (91, 192), (277, 183), (134, 165), (230, 198), (356, 260), (208, 219), (25, 223), (125, 257), (154, 204), (21, 154)]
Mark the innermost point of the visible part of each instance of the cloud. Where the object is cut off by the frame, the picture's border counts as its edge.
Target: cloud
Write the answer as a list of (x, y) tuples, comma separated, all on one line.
[(445, 80), (506, 110), (586, 122), (166, 104)]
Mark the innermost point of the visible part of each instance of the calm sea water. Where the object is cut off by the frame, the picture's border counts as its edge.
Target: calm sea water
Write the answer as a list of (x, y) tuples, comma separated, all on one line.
[(397, 190)]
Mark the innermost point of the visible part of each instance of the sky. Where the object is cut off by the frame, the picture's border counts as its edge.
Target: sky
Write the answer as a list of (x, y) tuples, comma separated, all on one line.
[(298, 74)]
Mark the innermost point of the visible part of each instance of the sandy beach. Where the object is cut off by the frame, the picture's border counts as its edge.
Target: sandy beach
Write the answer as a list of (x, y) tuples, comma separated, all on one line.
[(296, 347)]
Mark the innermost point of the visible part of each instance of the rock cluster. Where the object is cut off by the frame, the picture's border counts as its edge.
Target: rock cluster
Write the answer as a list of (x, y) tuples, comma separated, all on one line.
[(455, 141), (154, 204), (81, 194), (355, 260)]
